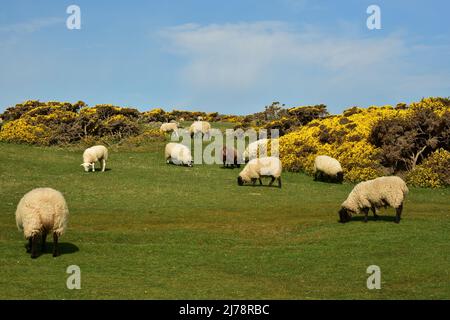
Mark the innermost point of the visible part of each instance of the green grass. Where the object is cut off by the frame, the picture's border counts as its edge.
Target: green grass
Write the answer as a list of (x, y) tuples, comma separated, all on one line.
[(147, 230)]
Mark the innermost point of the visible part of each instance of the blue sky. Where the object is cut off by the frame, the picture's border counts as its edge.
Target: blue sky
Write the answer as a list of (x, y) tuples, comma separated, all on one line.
[(233, 56)]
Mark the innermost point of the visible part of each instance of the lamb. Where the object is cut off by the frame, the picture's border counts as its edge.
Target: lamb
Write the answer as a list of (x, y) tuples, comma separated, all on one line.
[(169, 127), (178, 154), (373, 194), (260, 167), (92, 155), (198, 127), (251, 152), (328, 169), (39, 212), (230, 157)]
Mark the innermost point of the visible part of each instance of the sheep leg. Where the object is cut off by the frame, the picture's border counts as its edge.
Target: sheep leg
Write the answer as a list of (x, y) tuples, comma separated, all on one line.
[(103, 165), (374, 210), (399, 213), (29, 245), (366, 214), (279, 182), (93, 167), (44, 237), (253, 181), (34, 245), (260, 181), (271, 181), (55, 245)]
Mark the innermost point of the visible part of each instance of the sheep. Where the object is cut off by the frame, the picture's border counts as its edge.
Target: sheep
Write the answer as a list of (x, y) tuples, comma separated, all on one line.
[(169, 127), (39, 212), (373, 194), (92, 155), (328, 169), (178, 154), (251, 152), (260, 167), (198, 127), (230, 157)]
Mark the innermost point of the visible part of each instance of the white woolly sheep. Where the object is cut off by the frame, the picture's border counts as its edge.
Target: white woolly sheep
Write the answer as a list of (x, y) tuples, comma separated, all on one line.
[(39, 212), (92, 155), (178, 154), (169, 127), (199, 127), (327, 169), (261, 145), (374, 194), (261, 167)]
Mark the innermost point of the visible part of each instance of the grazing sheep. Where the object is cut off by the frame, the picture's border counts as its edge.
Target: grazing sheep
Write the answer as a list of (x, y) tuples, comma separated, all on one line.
[(198, 127), (230, 157), (92, 155), (169, 127), (39, 212), (328, 169), (261, 167), (178, 154), (373, 194), (251, 152)]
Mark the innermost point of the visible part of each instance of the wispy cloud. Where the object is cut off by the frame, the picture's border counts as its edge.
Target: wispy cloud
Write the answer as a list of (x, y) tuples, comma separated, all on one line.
[(233, 56), (31, 26)]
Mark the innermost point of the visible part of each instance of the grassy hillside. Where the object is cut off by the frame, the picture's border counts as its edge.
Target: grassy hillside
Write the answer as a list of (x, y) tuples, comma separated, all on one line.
[(148, 230)]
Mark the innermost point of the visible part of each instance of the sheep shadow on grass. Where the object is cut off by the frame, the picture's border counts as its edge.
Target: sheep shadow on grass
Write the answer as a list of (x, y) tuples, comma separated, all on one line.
[(373, 219), (99, 170), (229, 167), (63, 248)]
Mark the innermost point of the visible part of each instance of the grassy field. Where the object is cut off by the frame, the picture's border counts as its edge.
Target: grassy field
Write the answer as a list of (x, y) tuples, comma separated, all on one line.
[(147, 230)]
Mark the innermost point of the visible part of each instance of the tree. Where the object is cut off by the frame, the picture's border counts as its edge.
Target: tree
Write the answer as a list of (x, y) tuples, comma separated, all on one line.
[(406, 141)]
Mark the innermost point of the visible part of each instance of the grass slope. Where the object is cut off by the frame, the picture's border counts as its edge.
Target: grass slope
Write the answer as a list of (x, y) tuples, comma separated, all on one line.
[(147, 230)]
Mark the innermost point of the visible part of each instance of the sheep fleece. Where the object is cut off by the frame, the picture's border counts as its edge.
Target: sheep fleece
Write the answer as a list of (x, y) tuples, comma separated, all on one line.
[(200, 126), (179, 153), (166, 127), (94, 154), (42, 209), (327, 165), (377, 192), (266, 166)]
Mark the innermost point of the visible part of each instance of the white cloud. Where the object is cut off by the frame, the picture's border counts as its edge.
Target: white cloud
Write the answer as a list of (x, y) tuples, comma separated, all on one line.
[(239, 56), (31, 26)]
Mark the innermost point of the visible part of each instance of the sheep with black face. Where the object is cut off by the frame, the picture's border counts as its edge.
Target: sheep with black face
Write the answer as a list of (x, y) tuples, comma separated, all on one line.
[(328, 169), (261, 167), (374, 194)]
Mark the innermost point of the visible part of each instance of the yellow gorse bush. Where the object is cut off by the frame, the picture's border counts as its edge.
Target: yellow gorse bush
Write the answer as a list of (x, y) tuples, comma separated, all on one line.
[(434, 172), (343, 137), (21, 130)]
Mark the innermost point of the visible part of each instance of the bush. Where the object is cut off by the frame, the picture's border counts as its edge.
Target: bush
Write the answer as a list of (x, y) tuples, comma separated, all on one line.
[(331, 136), (409, 138), (434, 171)]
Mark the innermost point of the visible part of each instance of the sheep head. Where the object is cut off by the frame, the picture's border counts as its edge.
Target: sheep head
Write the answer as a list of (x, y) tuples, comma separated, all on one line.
[(345, 215), (86, 166)]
